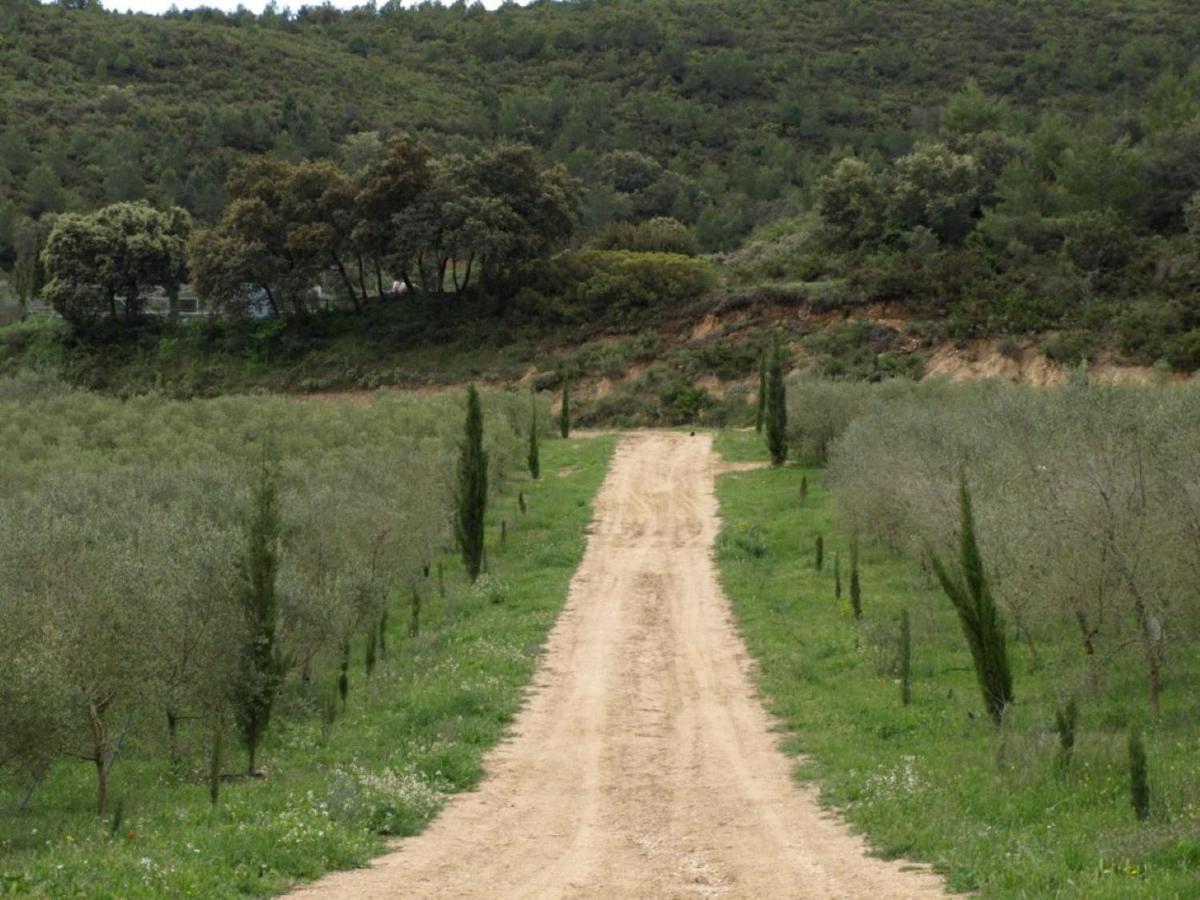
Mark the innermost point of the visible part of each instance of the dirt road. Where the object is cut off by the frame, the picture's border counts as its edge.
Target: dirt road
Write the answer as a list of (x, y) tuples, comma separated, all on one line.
[(643, 765)]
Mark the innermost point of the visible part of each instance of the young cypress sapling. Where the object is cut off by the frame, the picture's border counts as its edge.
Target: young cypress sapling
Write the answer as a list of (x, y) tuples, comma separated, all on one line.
[(855, 584), (803, 488), (905, 659), (521, 502), (1139, 778), (837, 575), (369, 651), (382, 631), (344, 672), (261, 665), (533, 459), (1065, 720), (414, 624), (776, 414), (471, 495), (978, 614), (216, 760), (820, 552)]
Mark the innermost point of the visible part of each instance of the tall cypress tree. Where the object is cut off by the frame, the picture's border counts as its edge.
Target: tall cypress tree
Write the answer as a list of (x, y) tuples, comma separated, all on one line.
[(978, 614), (564, 414), (855, 584), (776, 412), (261, 666), (535, 464), (471, 496)]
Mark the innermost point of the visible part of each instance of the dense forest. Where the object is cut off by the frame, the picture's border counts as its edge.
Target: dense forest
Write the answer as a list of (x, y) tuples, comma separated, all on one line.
[(1000, 168)]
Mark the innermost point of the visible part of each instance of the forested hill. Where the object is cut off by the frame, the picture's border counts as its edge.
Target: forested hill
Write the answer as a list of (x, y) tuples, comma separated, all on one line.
[(743, 103)]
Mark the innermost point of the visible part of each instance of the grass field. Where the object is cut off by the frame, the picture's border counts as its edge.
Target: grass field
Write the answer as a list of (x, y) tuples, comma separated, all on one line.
[(934, 781), (412, 735)]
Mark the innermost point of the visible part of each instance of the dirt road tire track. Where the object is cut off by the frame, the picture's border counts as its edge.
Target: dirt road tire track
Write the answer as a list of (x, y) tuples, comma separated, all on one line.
[(642, 765)]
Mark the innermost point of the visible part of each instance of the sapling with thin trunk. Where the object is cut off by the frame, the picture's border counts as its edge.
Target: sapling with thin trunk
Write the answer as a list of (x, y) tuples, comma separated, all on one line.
[(216, 759), (820, 552), (414, 623), (344, 672), (1065, 720), (369, 651), (1139, 778), (503, 532), (978, 614), (855, 583), (837, 575), (533, 459), (905, 659)]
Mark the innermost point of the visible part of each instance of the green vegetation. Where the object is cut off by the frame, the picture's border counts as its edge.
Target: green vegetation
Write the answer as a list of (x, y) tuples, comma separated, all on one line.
[(996, 810), (775, 415), (1029, 172), (471, 496), (363, 497)]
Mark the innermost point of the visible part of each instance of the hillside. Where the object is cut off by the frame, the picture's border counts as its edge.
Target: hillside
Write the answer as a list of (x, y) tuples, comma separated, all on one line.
[(1028, 170)]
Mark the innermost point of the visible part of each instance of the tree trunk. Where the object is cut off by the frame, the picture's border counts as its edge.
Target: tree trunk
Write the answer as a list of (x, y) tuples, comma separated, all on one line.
[(467, 274), (348, 283), (362, 277), (271, 299), (378, 276), (408, 285), (100, 753)]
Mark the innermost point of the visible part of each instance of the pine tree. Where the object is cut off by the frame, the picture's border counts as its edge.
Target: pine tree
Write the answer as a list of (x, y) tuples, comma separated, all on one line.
[(261, 665), (762, 391), (981, 621), (820, 552), (776, 412), (535, 465), (905, 659), (1139, 779), (471, 499), (855, 584), (564, 414)]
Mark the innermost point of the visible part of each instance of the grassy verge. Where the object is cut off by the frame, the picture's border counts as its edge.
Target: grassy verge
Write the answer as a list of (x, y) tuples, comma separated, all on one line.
[(933, 781), (411, 735)]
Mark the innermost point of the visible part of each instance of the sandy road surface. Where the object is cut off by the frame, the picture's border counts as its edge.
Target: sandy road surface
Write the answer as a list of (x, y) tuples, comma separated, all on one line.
[(643, 765)]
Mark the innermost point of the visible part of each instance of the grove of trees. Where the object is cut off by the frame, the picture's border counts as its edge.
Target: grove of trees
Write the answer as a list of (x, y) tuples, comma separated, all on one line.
[(167, 569)]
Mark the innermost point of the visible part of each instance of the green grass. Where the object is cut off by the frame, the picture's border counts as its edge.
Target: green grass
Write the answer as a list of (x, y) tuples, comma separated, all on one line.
[(412, 735), (933, 781)]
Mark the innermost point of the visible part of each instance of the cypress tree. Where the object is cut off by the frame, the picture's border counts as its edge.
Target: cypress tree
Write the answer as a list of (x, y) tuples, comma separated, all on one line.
[(369, 654), (1065, 720), (564, 414), (344, 672), (776, 412), (521, 502), (503, 532), (803, 487), (471, 499), (261, 665), (216, 759), (762, 391), (535, 465), (978, 614), (855, 585), (414, 624), (1139, 779), (837, 575), (905, 659), (820, 552), (382, 632)]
